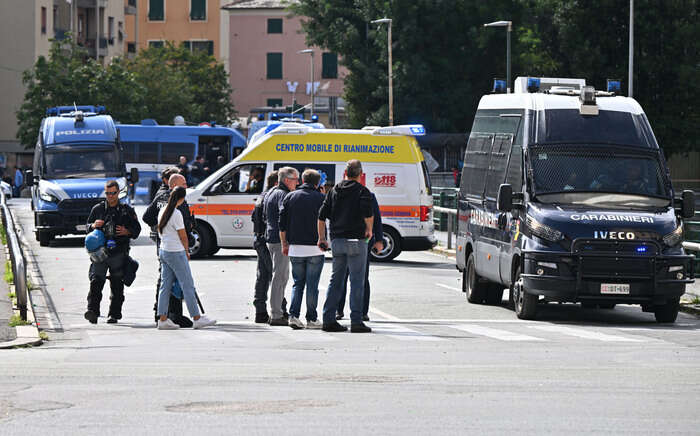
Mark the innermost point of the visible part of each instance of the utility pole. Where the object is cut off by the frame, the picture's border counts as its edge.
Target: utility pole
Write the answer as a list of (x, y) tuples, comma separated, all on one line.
[(631, 44), (391, 79)]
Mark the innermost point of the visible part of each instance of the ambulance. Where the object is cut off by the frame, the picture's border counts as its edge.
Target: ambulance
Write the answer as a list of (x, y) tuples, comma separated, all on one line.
[(394, 170)]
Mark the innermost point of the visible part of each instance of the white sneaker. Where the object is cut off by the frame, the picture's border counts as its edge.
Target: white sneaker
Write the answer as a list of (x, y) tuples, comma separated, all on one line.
[(314, 324), (168, 324), (295, 323), (203, 321)]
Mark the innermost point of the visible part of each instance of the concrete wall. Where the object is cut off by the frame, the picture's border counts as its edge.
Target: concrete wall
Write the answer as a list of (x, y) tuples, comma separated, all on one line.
[(249, 45)]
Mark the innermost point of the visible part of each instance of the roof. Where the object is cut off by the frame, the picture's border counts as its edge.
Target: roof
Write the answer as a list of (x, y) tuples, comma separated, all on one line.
[(260, 4), (65, 130), (539, 101)]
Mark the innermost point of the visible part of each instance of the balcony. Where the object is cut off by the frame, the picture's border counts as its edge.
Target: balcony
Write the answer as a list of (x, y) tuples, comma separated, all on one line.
[(60, 34), (90, 45)]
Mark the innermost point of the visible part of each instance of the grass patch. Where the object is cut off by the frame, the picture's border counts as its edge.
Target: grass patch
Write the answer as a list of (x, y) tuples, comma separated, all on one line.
[(9, 278), (695, 300), (16, 320), (12, 295), (3, 234), (43, 336)]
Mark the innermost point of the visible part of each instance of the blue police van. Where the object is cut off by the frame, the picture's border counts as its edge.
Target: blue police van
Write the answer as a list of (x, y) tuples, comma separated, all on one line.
[(77, 151), (565, 196)]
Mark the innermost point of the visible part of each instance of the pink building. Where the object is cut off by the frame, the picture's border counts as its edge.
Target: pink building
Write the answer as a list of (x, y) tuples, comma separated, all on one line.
[(265, 64)]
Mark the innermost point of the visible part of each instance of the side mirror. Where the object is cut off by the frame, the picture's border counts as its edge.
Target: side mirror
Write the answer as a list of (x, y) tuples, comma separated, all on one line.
[(134, 175), (505, 198), (29, 177), (687, 204)]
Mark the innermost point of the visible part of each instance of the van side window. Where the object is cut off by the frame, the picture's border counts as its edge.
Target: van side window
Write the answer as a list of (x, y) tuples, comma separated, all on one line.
[(514, 176), (243, 179), (476, 162), (497, 165)]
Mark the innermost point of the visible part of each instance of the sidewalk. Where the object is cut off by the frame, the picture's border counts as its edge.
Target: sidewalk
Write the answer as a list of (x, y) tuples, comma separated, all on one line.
[(7, 333)]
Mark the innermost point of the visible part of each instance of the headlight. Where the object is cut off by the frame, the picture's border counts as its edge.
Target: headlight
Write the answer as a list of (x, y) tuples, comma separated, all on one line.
[(124, 191), (48, 197), (674, 238), (543, 231)]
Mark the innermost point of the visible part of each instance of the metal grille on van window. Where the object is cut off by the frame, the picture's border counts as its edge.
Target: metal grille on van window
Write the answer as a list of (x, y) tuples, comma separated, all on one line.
[(592, 168)]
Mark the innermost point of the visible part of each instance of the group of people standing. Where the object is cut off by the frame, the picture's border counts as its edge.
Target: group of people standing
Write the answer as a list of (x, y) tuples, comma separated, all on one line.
[(290, 230)]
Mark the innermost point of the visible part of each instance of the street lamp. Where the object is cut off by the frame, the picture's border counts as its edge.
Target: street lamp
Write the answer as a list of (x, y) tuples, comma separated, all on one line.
[(630, 67), (313, 88), (509, 26), (391, 81)]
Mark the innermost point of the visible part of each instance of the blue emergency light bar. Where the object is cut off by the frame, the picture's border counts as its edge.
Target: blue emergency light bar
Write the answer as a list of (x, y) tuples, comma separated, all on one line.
[(418, 130), (499, 86), (314, 118), (58, 110), (614, 85), (533, 84)]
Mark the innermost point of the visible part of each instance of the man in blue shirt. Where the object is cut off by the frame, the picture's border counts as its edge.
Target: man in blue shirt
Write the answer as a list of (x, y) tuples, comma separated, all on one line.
[(19, 181)]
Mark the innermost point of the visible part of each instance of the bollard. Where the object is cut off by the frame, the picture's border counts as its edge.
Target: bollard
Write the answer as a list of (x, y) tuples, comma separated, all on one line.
[(449, 232)]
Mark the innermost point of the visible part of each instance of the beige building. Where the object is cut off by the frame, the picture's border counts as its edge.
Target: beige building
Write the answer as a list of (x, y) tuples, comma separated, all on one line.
[(267, 69), (196, 23)]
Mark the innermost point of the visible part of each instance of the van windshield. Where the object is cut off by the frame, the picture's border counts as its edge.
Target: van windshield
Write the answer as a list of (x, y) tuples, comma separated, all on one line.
[(595, 175), (66, 163)]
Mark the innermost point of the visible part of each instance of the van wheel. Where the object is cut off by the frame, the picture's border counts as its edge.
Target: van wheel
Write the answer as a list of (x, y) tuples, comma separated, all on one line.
[(494, 294), (214, 250), (525, 304), (45, 238), (392, 246), (667, 312), (477, 288), (202, 241)]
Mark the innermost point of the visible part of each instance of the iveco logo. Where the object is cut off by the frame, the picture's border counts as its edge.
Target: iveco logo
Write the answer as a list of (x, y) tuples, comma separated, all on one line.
[(85, 195), (613, 235), (81, 132)]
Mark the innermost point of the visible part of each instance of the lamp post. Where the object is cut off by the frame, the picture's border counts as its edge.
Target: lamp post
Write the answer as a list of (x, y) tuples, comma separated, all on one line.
[(631, 49), (509, 27), (391, 81), (313, 88)]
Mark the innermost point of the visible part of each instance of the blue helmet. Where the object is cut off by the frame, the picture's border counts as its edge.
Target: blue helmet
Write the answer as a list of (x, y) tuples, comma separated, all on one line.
[(94, 240)]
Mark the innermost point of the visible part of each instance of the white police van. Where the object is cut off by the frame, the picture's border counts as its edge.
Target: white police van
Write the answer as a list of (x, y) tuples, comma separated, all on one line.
[(565, 196), (77, 151)]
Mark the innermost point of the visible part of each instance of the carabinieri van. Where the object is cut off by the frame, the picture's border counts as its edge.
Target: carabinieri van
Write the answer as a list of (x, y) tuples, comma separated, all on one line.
[(393, 169), (565, 196)]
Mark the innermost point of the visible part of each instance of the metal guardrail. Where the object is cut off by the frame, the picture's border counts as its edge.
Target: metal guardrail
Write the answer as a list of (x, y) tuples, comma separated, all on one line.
[(19, 266)]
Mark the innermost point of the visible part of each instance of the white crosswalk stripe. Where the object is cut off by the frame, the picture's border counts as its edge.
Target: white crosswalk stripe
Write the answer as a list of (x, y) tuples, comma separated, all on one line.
[(501, 335), (585, 334), (402, 333)]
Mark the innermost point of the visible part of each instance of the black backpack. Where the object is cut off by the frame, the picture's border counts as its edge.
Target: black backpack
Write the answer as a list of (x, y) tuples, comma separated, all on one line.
[(258, 216)]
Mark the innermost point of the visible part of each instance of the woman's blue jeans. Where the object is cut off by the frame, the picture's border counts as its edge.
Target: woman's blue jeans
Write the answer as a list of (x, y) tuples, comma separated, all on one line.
[(306, 271), (176, 265)]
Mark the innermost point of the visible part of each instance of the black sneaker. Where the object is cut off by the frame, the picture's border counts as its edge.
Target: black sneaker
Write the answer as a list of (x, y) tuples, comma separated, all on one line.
[(279, 321), (285, 315), (334, 327), (360, 328), (339, 315), (365, 318), (111, 320), (91, 316), (184, 322), (262, 318)]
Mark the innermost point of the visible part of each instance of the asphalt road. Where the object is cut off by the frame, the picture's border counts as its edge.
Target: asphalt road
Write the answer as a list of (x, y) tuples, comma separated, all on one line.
[(433, 365)]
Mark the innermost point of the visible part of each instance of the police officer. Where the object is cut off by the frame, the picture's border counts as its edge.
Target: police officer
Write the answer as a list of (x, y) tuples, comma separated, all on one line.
[(119, 224), (171, 179)]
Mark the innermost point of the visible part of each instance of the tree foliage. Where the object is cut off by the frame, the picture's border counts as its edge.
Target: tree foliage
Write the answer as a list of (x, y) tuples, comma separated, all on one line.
[(444, 60), (158, 83)]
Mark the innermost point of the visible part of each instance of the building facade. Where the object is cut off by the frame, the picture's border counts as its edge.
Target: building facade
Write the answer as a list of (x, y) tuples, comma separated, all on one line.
[(266, 68), (196, 23)]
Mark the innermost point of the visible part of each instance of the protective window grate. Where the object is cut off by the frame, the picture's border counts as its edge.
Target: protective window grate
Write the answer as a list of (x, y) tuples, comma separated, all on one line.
[(592, 168)]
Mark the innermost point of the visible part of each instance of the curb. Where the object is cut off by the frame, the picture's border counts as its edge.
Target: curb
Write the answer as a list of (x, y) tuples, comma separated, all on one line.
[(693, 309), (444, 251)]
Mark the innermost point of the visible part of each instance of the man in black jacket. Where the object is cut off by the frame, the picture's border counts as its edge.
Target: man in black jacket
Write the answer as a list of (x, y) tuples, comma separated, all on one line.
[(264, 267), (171, 180), (348, 206), (119, 223), (299, 235)]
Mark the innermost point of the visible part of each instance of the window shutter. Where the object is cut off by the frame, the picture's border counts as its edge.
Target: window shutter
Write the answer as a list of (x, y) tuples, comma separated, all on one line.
[(186, 44), (274, 25), (198, 10), (156, 10), (274, 65), (210, 48), (330, 66)]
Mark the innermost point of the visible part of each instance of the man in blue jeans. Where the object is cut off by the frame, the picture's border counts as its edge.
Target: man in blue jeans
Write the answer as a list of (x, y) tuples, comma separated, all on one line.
[(299, 235), (348, 206)]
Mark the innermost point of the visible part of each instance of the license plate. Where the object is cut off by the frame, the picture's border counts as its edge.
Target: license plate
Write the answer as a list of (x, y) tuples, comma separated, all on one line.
[(614, 288), (81, 227)]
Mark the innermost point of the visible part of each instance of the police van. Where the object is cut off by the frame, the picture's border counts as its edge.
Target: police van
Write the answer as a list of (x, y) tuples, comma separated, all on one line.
[(77, 151), (565, 196), (393, 169)]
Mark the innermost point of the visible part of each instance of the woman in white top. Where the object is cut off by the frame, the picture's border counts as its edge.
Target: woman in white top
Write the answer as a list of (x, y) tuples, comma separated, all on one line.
[(175, 256)]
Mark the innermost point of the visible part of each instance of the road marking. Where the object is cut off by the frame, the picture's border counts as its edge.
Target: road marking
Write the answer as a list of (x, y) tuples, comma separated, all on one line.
[(448, 287), (403, 333), (501, 335), (580, 333), (311, 335), (383, 314)]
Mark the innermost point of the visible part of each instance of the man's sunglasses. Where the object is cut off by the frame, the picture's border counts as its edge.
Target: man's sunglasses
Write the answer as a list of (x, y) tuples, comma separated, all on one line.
[(111, 192)]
